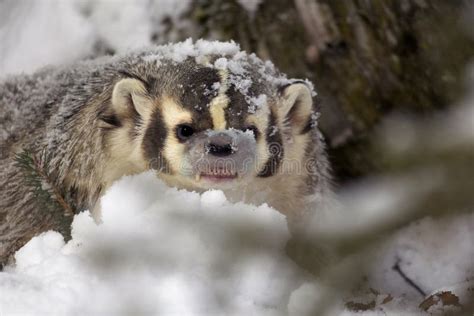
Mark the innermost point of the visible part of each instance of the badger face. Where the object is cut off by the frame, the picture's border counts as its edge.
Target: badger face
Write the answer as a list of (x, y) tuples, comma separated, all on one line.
[(216, 158), (201, 129)]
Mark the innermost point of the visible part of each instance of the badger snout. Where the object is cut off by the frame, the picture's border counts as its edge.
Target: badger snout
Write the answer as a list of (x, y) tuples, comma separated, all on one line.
[(222, 155), (221, 145), (220, 150)]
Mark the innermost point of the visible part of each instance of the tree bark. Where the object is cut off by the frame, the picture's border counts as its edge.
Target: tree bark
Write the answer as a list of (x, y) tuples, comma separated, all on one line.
[(366, 58)]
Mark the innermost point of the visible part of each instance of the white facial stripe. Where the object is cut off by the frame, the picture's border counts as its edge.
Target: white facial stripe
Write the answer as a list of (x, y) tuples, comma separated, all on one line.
[(219, 103), (173, 114), (260, 120)]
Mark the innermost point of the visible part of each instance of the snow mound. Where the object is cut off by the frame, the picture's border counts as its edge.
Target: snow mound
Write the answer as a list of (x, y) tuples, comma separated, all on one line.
[(159, 250)]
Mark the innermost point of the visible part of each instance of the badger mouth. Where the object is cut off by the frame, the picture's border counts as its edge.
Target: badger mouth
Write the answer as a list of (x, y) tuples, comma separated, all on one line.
[(217, 174)]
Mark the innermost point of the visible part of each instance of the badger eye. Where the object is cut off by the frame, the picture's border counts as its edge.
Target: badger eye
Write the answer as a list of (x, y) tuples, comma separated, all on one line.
[(253, 129), (183, 132)]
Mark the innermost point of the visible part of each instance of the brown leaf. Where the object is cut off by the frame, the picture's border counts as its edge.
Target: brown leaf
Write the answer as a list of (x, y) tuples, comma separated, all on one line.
[(446, 297), (357, 307)]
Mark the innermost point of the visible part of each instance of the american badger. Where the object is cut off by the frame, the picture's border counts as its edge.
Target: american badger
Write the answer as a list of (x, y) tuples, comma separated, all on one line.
[(203, 115)]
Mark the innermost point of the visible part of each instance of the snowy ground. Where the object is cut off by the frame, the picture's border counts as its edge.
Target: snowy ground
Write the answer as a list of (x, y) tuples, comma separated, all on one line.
[(164, 251), (158, 250)]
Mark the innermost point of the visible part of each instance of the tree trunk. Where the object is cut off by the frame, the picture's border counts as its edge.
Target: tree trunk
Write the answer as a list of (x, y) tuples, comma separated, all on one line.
[(366, 58)]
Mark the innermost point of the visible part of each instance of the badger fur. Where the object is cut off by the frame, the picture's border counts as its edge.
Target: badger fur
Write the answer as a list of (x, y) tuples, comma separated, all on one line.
[(202, 119)]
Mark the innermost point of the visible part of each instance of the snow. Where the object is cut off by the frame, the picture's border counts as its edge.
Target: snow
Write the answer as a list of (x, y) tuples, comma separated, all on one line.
[(178, 52), (123, 27), (257, 103), (30, 38), (305, 300), (56, 32), (443, 248), (158, 250)]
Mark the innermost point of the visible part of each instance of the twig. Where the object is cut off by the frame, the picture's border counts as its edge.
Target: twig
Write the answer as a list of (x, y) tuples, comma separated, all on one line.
[(59, 198), (410, 282)]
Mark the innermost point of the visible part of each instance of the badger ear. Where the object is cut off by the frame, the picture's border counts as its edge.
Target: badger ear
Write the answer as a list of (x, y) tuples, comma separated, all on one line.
[(296, 107), (131, 95)]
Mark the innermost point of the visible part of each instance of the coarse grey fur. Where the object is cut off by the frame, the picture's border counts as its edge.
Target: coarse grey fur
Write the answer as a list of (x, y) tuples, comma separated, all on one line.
[(65, 116)]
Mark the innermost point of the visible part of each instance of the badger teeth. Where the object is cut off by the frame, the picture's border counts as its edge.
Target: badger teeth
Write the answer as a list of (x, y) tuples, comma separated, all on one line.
[(219, 173)]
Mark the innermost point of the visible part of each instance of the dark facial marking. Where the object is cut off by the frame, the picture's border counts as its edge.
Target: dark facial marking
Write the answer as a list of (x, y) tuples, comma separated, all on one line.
[(237, 110), (275, 144), (153, 143), (196, 92)]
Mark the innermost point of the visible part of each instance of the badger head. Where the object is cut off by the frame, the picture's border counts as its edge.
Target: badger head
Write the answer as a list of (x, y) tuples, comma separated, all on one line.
[(222, 123)]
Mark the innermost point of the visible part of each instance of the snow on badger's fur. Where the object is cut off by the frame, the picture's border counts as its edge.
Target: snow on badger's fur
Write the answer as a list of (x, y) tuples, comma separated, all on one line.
[(203, 115)]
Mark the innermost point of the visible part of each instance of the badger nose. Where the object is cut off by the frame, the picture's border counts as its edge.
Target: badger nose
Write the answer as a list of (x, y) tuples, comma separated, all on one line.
[(220, 145), (220, 150)]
